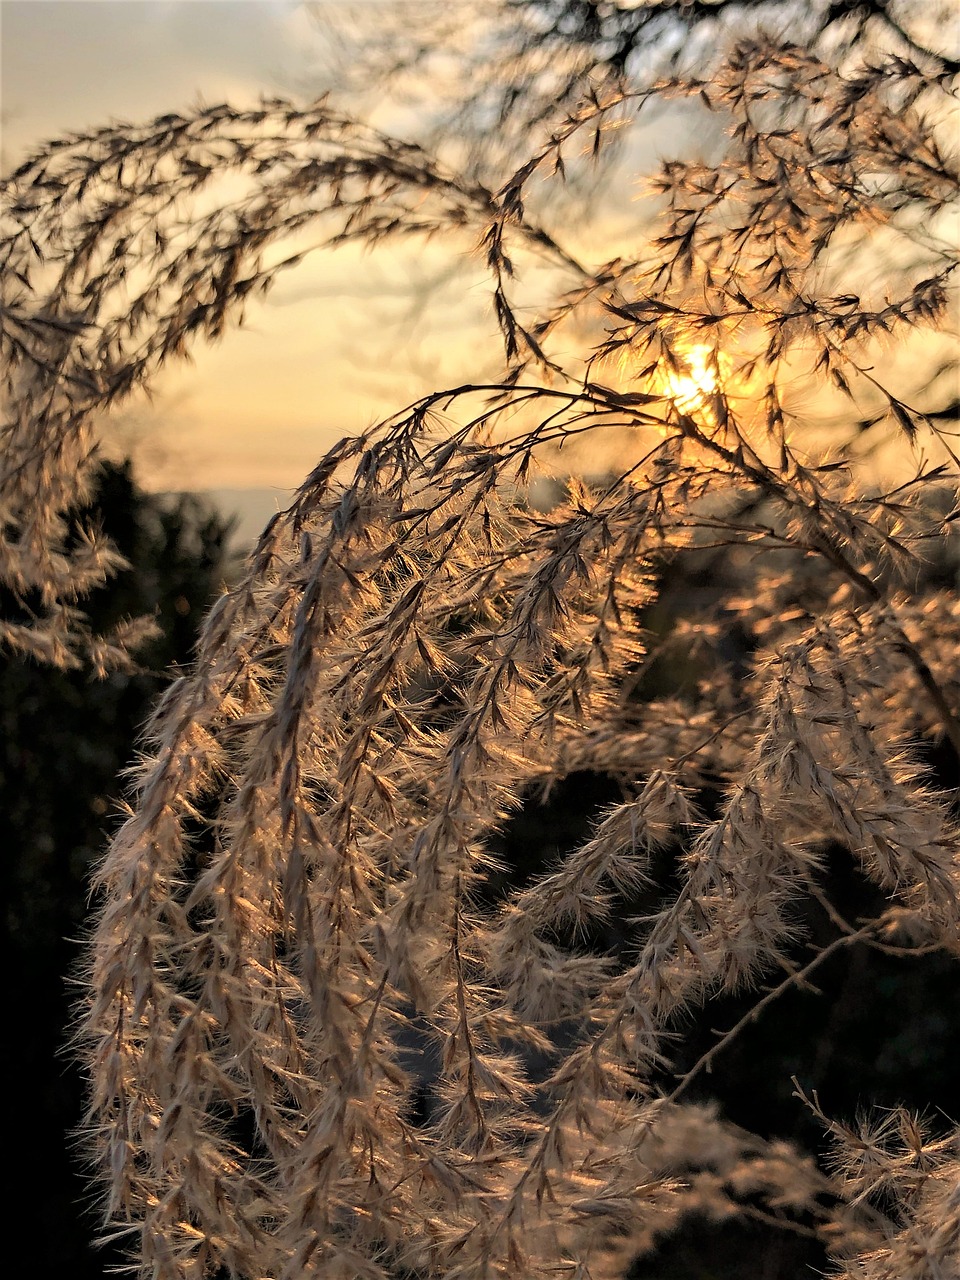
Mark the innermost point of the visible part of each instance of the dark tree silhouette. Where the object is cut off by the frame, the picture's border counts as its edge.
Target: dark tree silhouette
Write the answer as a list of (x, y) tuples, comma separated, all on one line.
[(65, 740)]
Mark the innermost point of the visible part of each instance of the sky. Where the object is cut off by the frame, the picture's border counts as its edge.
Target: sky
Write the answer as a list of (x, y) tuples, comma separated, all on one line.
[(344, 340), (338, 345)]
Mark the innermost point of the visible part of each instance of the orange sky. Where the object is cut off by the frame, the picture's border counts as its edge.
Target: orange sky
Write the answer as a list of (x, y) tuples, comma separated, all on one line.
[(341, 342), (259, 409)]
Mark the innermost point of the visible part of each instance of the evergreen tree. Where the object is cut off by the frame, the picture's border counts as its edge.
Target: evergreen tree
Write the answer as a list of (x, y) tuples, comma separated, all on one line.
[(65, 740)]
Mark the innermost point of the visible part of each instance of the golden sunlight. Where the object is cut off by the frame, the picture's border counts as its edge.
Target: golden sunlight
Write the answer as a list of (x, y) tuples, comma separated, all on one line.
[(694, 383)]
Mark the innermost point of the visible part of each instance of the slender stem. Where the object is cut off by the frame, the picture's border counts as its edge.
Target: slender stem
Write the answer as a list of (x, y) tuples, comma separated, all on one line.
[(758, 474), (705, 1061)]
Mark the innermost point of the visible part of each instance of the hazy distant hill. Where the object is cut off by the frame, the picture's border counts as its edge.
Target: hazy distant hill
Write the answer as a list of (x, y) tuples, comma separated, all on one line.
[(254, 507), (251, 507)]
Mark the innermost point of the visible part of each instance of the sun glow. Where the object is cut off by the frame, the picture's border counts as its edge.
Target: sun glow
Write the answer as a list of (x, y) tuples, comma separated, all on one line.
[(694, 384)]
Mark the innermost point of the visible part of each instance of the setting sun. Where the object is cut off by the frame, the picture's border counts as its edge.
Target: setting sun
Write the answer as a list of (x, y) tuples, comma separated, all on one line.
[(694, 384)]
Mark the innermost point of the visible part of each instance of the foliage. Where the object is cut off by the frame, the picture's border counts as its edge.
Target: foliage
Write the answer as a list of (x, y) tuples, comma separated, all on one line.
[(327, 1035), (65, 740)]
